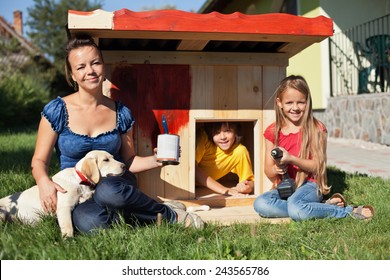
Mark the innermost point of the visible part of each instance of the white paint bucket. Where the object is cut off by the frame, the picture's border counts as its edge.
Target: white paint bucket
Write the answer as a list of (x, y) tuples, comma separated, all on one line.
[(168, 148)]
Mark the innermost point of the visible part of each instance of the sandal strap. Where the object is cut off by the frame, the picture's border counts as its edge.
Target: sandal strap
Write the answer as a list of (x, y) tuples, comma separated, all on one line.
[(358, 213), (175, 205), (339, 196), (189, 219)]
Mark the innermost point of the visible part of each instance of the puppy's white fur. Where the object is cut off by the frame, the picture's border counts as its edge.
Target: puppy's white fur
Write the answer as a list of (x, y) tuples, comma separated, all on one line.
[(26, 206)]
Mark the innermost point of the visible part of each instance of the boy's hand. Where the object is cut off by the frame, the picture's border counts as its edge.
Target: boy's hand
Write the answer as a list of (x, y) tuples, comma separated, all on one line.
[(244, 187)]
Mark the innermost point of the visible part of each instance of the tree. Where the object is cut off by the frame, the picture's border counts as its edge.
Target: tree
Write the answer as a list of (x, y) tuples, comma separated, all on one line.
[(47, 22), (164, 7)]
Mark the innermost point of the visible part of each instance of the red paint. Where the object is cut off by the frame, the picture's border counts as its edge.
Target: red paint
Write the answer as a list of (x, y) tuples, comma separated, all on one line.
[(150, 91), (235, 23)]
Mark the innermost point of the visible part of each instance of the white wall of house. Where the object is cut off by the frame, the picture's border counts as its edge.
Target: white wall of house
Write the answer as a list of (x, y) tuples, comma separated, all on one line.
[(349, 13), (313, 62)]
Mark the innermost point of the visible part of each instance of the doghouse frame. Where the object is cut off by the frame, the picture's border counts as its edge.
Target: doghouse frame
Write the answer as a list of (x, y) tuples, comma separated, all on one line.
[(194, 68)]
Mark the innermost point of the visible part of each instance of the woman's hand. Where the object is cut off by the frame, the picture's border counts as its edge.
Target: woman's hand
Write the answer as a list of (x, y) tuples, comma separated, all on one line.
[(48, 195), (155, 157)]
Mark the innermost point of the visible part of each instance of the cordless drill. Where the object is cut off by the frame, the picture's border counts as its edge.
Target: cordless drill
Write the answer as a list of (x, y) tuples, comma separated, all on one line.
[(287, 186)]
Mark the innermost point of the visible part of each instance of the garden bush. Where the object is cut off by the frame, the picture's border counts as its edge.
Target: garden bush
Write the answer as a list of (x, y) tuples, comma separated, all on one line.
[(22, 98)]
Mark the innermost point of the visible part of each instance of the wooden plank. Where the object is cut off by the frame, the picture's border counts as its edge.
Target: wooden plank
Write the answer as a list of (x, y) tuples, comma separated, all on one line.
[(258, 167), (217, 200), (250, 104), (97, 19), (176, 178), (192, 45), (201, 107), (293, 49), (271, 79), (238, 214), (249, 88), (195, 58), (225, 91), (201, 91), (129, 34), (229, 211)]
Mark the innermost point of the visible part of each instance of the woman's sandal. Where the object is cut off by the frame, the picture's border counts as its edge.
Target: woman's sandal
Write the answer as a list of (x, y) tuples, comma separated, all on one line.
[(189, 219), (338, 196), (358, 214), (175, 205), (183, 217)]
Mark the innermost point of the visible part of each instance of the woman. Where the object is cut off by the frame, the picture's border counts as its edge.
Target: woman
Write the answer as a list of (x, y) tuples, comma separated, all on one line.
[(87, 120)]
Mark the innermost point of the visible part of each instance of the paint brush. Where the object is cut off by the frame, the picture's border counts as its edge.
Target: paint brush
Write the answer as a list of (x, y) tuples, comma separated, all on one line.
[(165, 124)]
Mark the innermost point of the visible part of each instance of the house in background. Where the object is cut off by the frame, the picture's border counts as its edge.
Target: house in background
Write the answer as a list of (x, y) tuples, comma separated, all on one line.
[(368, 18), (16, 50), (342, 69)]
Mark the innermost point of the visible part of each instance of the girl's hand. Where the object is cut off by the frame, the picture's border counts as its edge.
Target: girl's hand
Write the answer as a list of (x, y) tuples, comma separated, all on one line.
[(281, 169), (281, 164), (285, 159)]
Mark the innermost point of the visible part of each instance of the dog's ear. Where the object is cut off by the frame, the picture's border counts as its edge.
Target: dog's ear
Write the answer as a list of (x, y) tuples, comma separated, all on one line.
[(90, 170)]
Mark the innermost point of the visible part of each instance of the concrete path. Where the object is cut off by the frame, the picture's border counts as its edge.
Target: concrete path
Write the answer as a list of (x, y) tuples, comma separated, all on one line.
[(362, 157)]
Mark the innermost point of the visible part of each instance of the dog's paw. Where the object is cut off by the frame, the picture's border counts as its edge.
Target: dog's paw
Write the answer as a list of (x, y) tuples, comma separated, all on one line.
[(68, 233), (85, 196)]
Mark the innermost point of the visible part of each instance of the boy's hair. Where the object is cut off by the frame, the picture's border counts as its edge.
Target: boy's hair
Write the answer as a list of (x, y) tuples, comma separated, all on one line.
[(78, 41), (213, 128), (313, 132)]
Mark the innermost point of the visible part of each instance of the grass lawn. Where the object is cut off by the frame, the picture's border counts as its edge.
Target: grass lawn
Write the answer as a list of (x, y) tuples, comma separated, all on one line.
[(326, 239)]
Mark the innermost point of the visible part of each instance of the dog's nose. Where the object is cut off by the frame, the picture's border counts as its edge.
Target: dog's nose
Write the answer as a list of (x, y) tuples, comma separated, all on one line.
[(123, 166)]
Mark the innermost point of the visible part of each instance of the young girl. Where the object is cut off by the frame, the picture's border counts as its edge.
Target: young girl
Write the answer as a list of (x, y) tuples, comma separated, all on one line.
[(302, 139), (219, 152)]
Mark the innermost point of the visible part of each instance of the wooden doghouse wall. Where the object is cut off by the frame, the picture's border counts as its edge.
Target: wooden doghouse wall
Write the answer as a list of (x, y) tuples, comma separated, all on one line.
[(187, 93)]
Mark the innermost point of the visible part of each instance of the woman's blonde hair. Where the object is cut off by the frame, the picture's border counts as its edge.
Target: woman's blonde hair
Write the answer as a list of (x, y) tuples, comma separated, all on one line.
[(313, 132)]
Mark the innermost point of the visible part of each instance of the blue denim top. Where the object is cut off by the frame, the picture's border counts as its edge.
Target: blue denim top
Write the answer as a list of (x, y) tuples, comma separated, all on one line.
[(71, 147)]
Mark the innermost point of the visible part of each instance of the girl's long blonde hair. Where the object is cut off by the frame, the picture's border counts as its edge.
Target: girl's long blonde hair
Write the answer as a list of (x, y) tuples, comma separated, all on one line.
[(313, 132)]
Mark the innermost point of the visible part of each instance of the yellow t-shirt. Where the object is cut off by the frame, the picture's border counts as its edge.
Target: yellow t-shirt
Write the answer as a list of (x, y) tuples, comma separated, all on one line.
[(216, 163)]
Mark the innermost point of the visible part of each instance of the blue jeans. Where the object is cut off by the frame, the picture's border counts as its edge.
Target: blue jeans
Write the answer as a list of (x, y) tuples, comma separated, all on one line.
[(116, 196), (305, 203)]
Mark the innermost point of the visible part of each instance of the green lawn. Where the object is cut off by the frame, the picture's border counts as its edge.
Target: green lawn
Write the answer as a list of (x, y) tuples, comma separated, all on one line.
[(327, 239)]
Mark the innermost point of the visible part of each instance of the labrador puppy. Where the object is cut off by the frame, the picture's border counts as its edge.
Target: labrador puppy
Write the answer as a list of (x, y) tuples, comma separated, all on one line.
[(79, 182)]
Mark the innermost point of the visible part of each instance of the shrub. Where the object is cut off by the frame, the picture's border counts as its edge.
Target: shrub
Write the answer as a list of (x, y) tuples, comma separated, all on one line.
[(22, 98)]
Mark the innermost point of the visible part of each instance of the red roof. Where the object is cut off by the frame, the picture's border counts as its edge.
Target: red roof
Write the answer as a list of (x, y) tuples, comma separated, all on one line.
[(177, 30)]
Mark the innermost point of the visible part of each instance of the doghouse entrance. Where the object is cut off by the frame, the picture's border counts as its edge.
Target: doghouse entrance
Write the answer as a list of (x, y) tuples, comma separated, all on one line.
[(249, 132)]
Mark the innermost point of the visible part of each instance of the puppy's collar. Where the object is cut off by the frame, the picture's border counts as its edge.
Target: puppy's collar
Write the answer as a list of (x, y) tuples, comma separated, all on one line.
[(84, 180)]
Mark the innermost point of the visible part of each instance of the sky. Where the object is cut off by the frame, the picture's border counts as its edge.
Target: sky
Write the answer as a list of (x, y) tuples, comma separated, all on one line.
[(7, 7)]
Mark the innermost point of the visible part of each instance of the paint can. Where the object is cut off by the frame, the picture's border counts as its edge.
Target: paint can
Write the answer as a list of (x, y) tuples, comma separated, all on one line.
[(168, 149)]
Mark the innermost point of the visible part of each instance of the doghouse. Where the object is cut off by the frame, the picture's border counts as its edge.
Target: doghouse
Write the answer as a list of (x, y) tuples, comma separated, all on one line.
[(195, 68)]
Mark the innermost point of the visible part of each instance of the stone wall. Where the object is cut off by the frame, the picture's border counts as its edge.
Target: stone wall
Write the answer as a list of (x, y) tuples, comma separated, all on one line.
[(360, 117)]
